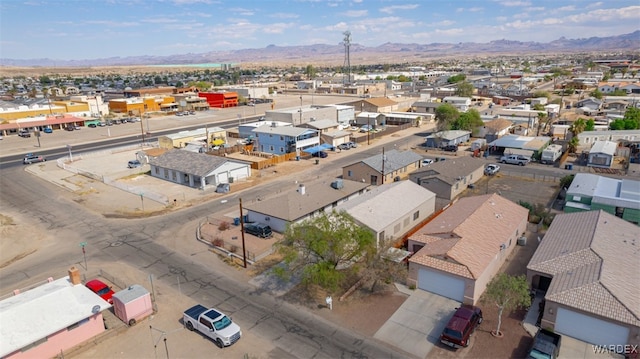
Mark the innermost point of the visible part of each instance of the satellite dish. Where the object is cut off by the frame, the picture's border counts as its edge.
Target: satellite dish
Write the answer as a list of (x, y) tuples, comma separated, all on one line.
[(95, 309)]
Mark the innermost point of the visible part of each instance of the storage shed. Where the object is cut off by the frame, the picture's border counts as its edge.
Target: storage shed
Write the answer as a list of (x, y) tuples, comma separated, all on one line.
[(132, 304)]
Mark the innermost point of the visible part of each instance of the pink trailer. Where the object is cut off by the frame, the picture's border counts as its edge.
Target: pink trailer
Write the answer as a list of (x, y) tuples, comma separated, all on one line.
[(132, 304)]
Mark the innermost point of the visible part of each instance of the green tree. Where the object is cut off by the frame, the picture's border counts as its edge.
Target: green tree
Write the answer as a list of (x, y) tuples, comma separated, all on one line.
[(464, 89), (538, 107), (310, 71), (630, 121), (572, 146), (325, 249), (577, 127), (566, 181), (541, 94), (467, 121), (590, 125), (596, 93), (445, 115), (456, 78), (507, 293), (541, 118), (618, 92)]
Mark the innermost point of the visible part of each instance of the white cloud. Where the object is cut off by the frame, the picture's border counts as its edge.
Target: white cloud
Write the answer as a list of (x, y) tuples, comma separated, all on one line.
[(522, 15), (243, 11), (391, 9), (109, 23), (443, 23), (515, 3), (356, 13), (191, 2), (501, 18), (357, 1), (535, 8), (277, 28), (475, 9), (566, 8), (284, 15), (594, 5), (460, 9), (449, 32)]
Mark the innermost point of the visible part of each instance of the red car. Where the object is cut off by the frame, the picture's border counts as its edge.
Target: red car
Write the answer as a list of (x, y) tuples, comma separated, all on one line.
[(464, 322), (104, 291)]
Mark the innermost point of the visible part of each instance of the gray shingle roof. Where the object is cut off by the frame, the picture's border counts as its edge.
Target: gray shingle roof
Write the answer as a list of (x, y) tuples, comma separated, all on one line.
[(593, 258), (448, 171), (198, 164), (291, 205), (394, 160), (283, 130)]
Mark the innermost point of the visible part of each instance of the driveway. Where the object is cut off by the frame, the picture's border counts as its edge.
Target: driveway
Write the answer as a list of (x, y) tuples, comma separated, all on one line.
[(416, 326)]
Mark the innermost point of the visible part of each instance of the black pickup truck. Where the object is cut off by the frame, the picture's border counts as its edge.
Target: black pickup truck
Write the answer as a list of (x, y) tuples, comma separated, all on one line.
[(546, 345)]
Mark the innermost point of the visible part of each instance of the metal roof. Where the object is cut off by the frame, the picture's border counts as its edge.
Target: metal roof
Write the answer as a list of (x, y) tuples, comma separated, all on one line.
[(283, 130), (198, 164), (393, 160), (42, 311)]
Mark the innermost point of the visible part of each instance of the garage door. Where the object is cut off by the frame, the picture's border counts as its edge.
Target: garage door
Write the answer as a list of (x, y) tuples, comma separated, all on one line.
[(441, 284), (222, 177), (589, 329)]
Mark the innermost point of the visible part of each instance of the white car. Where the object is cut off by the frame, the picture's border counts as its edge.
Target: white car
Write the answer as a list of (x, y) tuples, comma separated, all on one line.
[(427, 161), (491, 169)]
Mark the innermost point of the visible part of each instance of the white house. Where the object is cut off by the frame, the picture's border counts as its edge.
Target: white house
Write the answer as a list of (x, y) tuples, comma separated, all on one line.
[(461, 103)]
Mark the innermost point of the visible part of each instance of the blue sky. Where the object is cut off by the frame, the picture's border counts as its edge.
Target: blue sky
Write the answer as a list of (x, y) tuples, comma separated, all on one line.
[(91, 29)]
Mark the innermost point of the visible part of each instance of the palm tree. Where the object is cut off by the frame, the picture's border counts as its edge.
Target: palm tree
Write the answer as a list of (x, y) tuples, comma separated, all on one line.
[(577, 127), (541, 117)]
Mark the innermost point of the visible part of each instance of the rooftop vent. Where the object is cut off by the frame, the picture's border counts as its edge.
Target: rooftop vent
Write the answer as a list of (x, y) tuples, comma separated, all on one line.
[(337, 184), (301, 189)]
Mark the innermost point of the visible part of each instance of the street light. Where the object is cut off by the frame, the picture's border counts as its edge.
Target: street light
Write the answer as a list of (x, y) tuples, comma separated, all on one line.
[(70, 156), (300, 110)]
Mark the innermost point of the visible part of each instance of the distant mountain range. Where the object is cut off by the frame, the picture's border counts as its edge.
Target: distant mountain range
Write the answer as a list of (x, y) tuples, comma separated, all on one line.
[(334, 54)]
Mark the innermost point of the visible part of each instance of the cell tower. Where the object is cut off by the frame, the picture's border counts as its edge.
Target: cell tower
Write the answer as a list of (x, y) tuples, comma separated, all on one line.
[(346, 79)]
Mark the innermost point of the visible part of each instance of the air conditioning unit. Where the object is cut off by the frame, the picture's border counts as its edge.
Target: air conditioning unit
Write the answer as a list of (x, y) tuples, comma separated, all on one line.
[(337, 184), (522, 241)]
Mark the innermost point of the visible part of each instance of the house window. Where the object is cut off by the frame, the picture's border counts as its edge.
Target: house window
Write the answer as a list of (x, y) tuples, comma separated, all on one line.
[(416, 215), (457, 185), (349, 173), (157, 170), (175, 176), (406, 222), (281, 149), (281, 138), (396, 228), (271, 148), (166, 173)]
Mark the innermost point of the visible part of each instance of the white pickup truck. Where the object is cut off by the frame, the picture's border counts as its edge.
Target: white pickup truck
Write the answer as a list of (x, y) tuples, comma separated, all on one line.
[(515, 160), (212, 323)]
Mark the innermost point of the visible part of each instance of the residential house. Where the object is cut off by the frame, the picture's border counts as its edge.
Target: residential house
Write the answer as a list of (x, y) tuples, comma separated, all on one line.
[(589, 192), (139, 105), (245, 130), (335, 138), (303, 201), (501, 100), (601, 154), (447, 138), (407, 118), (448, 179), (50, 319), (458, 252), (376, 104), (495, 129), (461, 103), (382, 168), (592, 104), (539, 101), (303, 114), (587, 138), (372, 119), (587, 267), (279, 140), (198, 170), (426, 106), (389, 218), (322, 126), (631, 88)]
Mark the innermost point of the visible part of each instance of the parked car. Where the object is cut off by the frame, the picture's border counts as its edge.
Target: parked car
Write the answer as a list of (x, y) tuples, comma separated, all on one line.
[(104, 291), (519, 160), (134, 164), (24, 133), (352, 144), (223, 188), (47, 130), (258, 230), (30, 158), (92, 125), (69, 128), (213, 324), (77, 128), (344, 146), (491, 169), (320, 154), (427, 161), (460, 327), (546, 345), (102, 124), (450, 148)]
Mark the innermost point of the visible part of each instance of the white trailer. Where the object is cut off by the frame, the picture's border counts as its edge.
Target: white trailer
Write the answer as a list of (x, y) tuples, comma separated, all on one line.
[(551, 154)]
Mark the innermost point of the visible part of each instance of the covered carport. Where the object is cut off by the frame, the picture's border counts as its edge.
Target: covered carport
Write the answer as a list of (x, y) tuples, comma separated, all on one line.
[(318, 148)]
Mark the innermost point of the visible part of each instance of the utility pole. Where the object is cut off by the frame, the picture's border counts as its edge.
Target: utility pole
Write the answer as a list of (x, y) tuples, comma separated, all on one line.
[(300, 110), (244, 253), (382, 165)]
